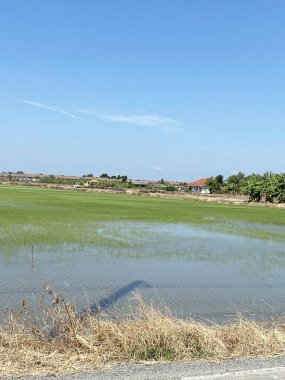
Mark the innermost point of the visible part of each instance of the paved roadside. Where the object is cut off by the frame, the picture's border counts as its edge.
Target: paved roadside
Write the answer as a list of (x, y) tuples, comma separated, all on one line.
[(238, 369), (259, 374)]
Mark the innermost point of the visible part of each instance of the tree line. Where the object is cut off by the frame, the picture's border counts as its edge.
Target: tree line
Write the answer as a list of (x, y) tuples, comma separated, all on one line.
[(268, 186)]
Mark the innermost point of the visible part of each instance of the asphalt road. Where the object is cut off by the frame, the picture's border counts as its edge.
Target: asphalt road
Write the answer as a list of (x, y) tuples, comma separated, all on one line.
[(238, 369)]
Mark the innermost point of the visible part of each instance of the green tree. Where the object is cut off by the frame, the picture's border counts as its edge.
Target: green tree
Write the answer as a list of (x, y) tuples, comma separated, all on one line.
[(215, 183), (234, 183), (280, 187), (269, 188), (253, 187)]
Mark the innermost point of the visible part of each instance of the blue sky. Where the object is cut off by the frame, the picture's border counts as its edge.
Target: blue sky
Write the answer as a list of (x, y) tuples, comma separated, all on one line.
[(174, 89)]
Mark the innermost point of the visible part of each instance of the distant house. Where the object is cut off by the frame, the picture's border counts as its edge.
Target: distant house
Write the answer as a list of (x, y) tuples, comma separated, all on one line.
[(199, 186), (139, 182), (20, 176)]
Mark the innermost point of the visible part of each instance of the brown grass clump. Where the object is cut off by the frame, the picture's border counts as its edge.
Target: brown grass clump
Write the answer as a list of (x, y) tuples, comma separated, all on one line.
[(62, 342)]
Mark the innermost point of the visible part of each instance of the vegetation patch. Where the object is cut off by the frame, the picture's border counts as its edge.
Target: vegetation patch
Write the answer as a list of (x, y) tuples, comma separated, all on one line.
[(268, 186), (59, 341), (37, 216)]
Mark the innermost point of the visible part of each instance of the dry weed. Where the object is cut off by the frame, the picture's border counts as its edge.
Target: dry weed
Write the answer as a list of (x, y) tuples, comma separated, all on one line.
[(60, 341)]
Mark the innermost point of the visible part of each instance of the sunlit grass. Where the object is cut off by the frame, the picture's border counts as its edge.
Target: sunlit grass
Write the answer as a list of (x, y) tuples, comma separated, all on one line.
[(37, 216)]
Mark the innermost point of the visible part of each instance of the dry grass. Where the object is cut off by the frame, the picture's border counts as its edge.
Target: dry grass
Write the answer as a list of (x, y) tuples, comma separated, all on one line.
[(62, 342)]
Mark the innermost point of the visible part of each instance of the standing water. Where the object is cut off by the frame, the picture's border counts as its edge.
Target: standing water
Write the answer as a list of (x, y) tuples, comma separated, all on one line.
[(208, 273)]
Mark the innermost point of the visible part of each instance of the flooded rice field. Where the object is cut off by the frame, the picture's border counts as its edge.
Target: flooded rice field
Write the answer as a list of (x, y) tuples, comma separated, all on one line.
[(210, 272)]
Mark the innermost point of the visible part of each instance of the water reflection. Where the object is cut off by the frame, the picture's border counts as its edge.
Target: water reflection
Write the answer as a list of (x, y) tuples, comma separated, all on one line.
[(180, 241), (198, 271)]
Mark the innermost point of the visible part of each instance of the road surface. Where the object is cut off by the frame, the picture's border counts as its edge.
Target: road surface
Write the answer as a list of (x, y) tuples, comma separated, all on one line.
[(238, 369)]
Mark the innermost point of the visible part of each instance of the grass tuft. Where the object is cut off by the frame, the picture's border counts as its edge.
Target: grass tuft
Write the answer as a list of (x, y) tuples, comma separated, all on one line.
[(57, 340)]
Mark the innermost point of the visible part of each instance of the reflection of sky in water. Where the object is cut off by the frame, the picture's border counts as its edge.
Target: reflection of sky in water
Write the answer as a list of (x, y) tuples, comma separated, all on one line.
[(272, 231), (180, 240), (198, 271), (132, 231)]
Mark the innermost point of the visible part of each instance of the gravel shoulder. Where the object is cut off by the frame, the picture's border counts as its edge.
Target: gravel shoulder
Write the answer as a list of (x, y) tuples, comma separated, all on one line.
[(245, 368)]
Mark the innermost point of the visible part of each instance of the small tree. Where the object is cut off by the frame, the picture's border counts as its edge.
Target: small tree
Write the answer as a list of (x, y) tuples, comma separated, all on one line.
[(269, 186), (254, 187), (280, 187), (235, 182), (215, 183)]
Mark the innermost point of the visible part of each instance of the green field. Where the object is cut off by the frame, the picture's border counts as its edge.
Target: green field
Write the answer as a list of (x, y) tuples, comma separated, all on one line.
[(37, 216)]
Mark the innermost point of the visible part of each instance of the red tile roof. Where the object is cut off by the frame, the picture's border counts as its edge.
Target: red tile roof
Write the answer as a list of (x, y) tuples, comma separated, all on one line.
[(199, 183)]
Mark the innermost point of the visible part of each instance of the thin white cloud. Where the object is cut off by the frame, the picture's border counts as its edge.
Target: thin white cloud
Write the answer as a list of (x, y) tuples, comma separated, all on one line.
[(53, 109), (147, 120), (143, 119), (159, 168)]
